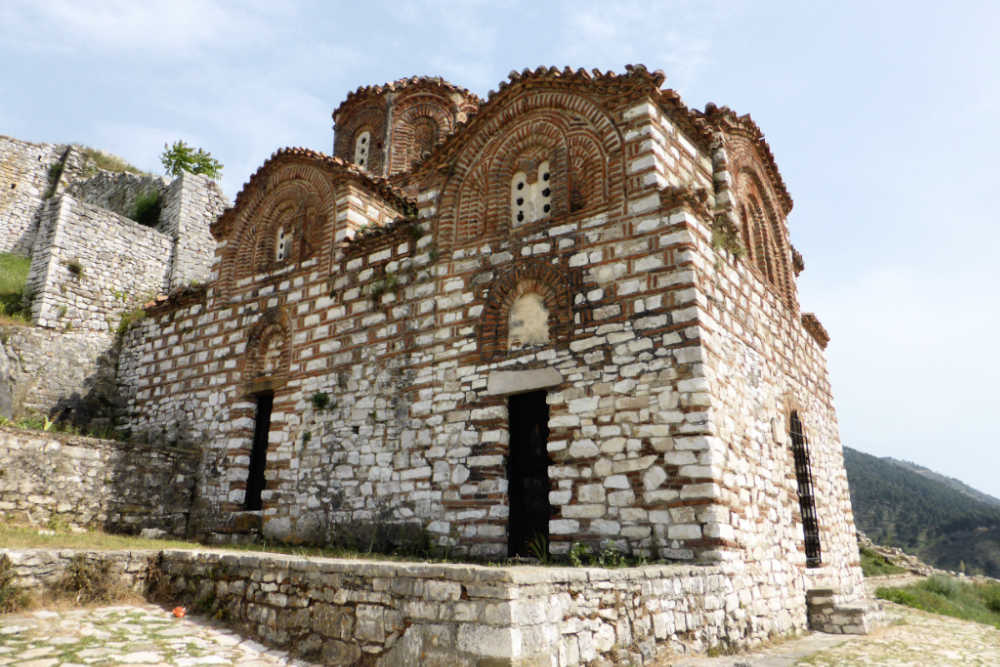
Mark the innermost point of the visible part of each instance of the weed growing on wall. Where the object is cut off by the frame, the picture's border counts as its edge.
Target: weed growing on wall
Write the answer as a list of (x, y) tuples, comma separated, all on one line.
[(88, 581), (147, 208)]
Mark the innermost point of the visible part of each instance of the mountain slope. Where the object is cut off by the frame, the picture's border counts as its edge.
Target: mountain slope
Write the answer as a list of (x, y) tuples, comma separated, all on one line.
[(933, 517)]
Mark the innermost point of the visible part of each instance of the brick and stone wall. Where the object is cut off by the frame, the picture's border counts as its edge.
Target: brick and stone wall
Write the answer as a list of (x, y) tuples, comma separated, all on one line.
[(78, 481), (670, 366), (89, 265), (345, 612)]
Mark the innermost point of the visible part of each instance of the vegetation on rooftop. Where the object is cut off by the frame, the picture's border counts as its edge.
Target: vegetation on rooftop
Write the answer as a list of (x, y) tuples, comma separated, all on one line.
[(109, 162)]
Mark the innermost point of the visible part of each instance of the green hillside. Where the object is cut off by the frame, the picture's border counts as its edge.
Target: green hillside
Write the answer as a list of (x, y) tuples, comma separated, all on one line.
[(938, 519)]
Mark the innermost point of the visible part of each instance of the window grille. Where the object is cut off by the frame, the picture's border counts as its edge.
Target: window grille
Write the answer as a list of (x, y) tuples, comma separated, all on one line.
[(807, 499)]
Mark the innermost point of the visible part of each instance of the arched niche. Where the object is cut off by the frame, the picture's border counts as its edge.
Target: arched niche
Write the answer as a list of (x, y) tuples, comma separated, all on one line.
[(288, 220), (529, 305)]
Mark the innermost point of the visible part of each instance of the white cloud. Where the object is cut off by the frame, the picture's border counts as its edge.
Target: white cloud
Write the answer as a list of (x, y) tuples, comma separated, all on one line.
[(179, 29)]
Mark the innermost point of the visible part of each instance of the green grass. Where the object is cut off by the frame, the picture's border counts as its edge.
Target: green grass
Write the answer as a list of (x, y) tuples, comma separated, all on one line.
[(875, 565), (14, 308), (14, 535), (949, 596), (109, 162)]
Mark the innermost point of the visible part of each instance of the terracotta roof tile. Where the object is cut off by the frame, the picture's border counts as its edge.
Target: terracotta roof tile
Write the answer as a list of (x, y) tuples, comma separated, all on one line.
[(364, 92)]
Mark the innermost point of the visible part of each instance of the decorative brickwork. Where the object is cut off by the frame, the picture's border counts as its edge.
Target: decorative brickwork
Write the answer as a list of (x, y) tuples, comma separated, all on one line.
[(545, 280), (663, 363)]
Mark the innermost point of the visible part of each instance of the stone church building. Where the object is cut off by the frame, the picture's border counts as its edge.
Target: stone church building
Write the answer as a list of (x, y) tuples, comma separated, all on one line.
[(566, 313)]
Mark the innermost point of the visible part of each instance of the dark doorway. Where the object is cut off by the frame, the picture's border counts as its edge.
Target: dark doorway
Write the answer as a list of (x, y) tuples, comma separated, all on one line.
[(258, 455), (807, 497), (528, 475)]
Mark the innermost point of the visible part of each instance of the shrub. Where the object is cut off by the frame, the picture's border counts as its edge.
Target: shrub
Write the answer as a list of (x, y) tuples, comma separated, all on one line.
[(147, 209), (129, 319), (12, 598), (320, 400), (181, 157), (942, 585), (88, 581)]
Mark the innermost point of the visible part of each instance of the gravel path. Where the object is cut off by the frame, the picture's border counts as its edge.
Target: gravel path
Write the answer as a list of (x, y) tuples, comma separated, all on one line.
[(910, 637), (133, 635)]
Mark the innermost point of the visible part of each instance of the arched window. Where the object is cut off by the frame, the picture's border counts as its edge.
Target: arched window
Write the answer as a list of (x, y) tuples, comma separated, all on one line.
[(425, 135), (807, 498), (531, 194), (362, 146), (283, 244)]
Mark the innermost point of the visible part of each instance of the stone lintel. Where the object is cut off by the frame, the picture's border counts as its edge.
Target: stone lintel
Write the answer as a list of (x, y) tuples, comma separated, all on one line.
[(515, 382)]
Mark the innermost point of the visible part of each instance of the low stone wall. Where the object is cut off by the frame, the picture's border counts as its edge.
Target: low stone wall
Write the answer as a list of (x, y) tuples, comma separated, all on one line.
[(53, 477), (393, 613), (39, 570)]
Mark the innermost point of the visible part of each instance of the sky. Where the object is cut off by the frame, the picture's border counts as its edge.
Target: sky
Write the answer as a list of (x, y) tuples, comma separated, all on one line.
[(882, 116)]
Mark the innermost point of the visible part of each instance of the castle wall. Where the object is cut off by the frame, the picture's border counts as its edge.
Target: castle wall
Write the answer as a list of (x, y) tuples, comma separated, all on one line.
[(115, 191), (24, 181), (90, 265), (191, 204), (77, 481), (58, 374)]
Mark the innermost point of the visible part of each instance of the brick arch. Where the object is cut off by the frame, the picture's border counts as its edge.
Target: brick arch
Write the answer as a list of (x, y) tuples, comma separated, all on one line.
[(587, 166), (299, 195), (767, 248), (548, 281), (479, 151), (407, 148), (268, 354), (371, 118)]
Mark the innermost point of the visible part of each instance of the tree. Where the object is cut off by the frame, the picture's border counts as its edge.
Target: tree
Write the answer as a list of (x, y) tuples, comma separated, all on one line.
[(181, 157)]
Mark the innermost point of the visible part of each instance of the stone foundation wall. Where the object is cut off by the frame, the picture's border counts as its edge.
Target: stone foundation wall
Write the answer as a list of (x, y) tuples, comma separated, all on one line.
[(81, 481), (392, 613), (69, 375)]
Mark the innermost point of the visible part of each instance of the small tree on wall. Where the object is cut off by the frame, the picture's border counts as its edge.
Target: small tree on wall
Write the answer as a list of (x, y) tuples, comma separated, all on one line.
[(181, 157)]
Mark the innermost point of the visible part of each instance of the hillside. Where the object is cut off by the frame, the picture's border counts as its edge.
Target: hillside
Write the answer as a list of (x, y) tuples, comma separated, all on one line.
[(938, 519)]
